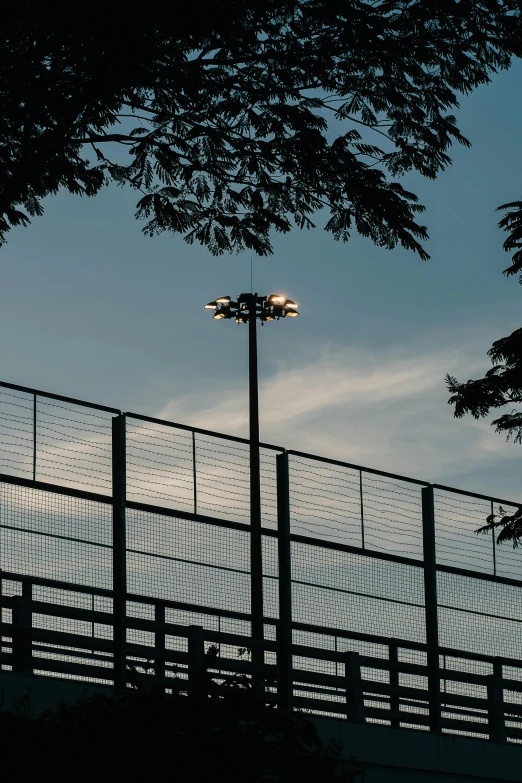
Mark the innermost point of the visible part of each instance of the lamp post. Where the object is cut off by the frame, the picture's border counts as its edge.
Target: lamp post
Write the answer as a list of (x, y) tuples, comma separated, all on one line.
[(247, 310)]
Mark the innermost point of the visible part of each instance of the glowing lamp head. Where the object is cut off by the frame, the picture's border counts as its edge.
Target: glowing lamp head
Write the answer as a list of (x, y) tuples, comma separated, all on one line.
[(292, 314), (223, 300), (276, 299), (211, 306), (219, 316)]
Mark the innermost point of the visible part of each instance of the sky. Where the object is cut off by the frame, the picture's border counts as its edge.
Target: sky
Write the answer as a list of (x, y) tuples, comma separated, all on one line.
[(91, 308)]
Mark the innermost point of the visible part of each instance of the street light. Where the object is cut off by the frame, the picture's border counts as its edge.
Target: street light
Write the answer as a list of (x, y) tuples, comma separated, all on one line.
[(247, 310), (267, 308)]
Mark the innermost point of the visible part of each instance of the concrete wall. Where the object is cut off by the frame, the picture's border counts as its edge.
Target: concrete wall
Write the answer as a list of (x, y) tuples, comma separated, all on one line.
[(387, 755), (383, 754)]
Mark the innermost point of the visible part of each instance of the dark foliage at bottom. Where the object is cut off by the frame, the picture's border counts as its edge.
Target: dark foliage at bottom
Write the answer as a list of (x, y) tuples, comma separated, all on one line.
[(135, 735)]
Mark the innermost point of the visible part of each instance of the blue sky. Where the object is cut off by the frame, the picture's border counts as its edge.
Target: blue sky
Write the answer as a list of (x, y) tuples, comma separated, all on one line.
[(91, 308)]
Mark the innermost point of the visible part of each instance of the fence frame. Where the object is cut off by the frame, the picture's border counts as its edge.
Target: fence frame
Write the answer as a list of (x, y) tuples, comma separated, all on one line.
[(492, 711), (24, 635)]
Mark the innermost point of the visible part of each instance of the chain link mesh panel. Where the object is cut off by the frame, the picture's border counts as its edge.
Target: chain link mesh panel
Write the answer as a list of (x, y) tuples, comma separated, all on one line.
[(357, 593), (480, 616), (188, 561), (55, 536), (207, 566)]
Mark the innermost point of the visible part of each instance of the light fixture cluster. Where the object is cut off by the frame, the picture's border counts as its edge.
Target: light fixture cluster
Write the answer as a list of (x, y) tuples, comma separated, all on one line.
[(268, 308)]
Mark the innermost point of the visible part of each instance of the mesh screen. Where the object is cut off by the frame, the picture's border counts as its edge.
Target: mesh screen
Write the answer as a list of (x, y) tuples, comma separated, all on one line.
[(45, 534), (513, 698), (188, 561), (369, 674), (54, 653), (479, 616), (270, 580), (357, 593), (55, 536), (471, 713)]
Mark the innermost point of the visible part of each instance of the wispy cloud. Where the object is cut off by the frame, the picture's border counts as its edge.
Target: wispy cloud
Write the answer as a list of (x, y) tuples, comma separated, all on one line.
[(382, 410)]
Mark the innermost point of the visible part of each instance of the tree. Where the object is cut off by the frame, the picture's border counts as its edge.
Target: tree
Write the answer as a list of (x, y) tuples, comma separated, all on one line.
[(244, 116), (501, 386), (222, 735)]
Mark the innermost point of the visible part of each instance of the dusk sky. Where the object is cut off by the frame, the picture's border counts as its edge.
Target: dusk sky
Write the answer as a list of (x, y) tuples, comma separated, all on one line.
[(91, 308)]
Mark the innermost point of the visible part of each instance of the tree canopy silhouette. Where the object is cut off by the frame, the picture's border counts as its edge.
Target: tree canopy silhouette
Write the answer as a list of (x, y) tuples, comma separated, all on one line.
[(501, 386), (223, 736), (242, 117)]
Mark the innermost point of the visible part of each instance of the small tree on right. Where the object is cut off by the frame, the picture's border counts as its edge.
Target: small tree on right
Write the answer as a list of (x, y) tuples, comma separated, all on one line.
[(501, 386)]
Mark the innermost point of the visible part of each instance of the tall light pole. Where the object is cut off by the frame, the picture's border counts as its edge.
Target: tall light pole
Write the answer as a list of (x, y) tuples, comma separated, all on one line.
[(247, 310)]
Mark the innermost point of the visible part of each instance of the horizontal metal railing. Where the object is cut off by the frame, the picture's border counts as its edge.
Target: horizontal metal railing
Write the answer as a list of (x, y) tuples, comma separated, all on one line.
[(233, 438), (353, 694), (127, 486)]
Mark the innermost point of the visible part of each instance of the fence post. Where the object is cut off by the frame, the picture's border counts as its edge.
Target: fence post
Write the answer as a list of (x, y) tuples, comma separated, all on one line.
[(194, 474), (34, 437), (22, 624), (362, 508), (159, 644), (284, 629), (430, 605), (493, 544), (393, 657), (196, 661), (354, 693), (119, 560), (1, 612), (496, 720)]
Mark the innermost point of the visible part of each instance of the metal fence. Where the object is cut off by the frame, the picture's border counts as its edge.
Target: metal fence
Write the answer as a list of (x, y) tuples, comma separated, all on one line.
[(124, 538)]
